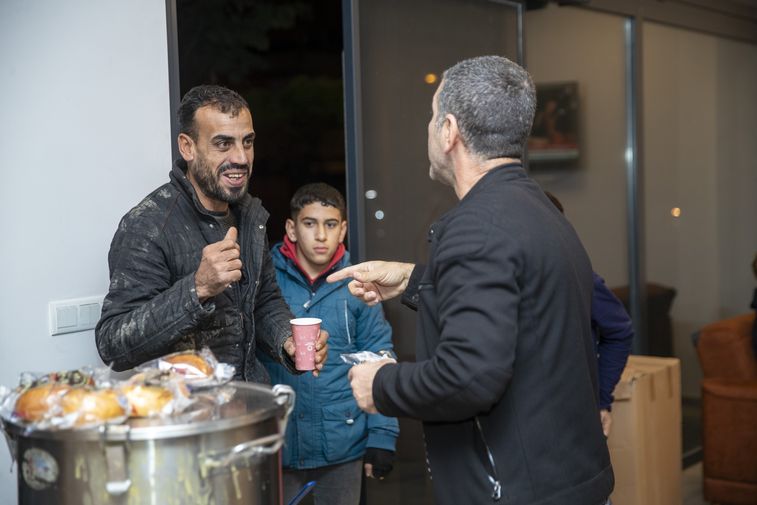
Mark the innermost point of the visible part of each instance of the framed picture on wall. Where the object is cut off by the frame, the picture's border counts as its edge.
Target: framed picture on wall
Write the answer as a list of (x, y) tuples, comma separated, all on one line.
[(554, 136)]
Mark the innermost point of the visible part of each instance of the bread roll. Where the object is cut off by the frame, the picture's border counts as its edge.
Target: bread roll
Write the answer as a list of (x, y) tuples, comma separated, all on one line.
[(36, 402), (92, 405), (146, 401), (190, 364)]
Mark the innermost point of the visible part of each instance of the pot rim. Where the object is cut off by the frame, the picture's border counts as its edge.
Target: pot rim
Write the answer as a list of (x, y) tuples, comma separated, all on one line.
[(128, 432)]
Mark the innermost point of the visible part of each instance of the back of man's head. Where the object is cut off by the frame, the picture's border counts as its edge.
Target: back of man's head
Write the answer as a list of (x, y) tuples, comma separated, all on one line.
[(317, 192), (493, 100), (218, 97)]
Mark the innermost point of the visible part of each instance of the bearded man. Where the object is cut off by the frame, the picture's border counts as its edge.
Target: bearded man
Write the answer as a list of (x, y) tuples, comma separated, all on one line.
[(190, 265)]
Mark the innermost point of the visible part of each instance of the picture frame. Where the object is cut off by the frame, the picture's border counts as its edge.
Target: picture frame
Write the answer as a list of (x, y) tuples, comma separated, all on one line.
[(555, 134)]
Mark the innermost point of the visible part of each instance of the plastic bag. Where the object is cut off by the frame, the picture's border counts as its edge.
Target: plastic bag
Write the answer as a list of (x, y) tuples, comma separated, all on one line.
[(357, 358), (81, 398)]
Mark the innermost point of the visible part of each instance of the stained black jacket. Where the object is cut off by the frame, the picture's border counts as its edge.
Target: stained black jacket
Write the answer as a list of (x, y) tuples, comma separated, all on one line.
[(505, 357), (152, 307)]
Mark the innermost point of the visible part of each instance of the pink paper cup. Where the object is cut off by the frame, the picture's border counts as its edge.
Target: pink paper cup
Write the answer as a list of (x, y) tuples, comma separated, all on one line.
[(305, 331)]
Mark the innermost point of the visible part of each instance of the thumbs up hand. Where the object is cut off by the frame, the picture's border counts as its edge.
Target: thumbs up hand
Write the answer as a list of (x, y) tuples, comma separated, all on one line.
[(219, 267)]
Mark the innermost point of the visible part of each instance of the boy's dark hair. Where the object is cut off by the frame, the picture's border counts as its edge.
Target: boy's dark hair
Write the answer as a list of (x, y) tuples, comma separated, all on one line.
[(317, 192), (220, 98)]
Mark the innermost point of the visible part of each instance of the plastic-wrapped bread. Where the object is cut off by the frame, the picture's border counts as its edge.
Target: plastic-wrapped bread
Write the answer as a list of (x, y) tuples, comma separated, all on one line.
[(37, 402), (190, 364), (198, 368), (147, 401), (93, 406)]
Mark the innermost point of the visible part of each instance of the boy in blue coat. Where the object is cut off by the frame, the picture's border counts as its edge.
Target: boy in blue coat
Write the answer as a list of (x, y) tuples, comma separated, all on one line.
[(328, 438)]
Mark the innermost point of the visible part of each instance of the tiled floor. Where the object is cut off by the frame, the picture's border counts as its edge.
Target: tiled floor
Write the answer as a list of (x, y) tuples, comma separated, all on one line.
[(692, 485)]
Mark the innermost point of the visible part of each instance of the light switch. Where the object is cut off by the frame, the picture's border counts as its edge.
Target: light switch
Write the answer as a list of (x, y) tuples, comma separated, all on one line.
[(66, 316), (78, 314), (89, 313)]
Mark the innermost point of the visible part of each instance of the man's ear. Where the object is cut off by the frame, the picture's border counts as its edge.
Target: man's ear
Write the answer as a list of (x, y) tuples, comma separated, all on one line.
[(186, 147), (343, 231), (450, 133), (291, 232)]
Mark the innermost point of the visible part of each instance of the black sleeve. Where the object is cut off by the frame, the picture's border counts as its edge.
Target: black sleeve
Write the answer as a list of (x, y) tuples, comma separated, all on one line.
[(144, 314), (472, 297), (410, 297)]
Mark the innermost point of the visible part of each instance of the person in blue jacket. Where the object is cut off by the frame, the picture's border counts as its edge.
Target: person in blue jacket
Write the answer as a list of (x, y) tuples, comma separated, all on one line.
[(328, 438), (613, 334)]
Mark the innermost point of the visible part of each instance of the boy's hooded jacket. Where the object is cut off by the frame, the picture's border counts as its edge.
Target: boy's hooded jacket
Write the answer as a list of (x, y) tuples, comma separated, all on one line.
[(326, 426)]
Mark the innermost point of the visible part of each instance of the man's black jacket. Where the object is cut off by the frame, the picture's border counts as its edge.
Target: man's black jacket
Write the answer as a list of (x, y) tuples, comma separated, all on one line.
[(152, 307), (506, 376)]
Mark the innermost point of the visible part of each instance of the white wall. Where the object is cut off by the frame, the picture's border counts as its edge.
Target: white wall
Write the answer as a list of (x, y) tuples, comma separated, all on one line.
[(85, 134)]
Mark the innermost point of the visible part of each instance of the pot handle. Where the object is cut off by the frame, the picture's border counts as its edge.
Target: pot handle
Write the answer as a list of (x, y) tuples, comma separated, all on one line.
[(261, 447), (12, 442), (116, 456), (284, 395)]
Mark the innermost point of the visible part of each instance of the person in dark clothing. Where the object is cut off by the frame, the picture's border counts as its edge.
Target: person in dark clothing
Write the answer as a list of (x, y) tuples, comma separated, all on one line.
[(505, 380), (613, 334), (190, 265)]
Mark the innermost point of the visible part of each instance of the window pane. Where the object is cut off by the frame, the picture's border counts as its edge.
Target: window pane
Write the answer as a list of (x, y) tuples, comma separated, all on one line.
[(700, 113)]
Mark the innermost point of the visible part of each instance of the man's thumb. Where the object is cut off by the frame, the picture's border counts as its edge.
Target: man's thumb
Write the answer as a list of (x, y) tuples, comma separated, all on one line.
[(231, 234)]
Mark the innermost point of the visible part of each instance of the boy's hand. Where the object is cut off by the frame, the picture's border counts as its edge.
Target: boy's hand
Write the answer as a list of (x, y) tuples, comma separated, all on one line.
[(377, 463), (321, 350)]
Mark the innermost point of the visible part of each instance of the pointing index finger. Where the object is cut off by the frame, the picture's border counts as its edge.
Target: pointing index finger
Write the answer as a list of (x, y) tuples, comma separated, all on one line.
[(344, 273)]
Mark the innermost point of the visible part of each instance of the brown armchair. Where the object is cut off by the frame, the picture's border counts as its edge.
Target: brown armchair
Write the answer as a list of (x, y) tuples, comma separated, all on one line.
[(729, 411)]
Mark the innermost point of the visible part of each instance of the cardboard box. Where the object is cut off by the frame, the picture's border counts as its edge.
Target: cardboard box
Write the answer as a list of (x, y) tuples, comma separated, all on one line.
[(645, 438)]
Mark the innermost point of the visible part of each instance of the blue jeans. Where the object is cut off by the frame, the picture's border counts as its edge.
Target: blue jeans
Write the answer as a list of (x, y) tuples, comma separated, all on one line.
[(334, 484)]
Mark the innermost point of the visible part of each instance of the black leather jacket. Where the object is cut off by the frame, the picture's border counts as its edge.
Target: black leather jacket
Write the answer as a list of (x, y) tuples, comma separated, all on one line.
[(152, 308)]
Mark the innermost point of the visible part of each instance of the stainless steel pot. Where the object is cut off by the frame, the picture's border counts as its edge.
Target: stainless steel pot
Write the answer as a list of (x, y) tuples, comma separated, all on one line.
[(227, 455)]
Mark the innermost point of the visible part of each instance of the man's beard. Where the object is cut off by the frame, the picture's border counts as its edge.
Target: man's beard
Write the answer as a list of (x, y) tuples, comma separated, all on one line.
[(208, 180)]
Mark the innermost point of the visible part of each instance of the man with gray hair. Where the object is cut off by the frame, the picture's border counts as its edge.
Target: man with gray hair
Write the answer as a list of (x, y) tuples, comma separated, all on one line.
[(505, 380)]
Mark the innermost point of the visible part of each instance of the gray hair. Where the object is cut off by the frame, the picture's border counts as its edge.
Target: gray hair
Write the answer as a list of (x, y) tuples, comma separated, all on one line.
[(493, 100)]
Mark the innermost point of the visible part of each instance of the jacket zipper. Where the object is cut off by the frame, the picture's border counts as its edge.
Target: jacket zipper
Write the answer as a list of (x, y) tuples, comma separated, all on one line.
[(492, 473), (347, 323)]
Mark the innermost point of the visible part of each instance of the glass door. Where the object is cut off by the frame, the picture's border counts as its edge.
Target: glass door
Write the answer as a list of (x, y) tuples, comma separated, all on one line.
[(395, 53)]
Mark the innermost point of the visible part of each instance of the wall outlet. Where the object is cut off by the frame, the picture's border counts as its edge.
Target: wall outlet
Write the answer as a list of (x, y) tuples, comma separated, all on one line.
[(74, 315)]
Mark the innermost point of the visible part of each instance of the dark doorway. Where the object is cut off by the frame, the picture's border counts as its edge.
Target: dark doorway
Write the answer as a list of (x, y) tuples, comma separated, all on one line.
[(285, 58)]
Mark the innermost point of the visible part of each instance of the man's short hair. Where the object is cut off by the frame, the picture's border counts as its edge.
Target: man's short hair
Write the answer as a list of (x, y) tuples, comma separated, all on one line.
[(317, 192), (493, 100), (218, 97)]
